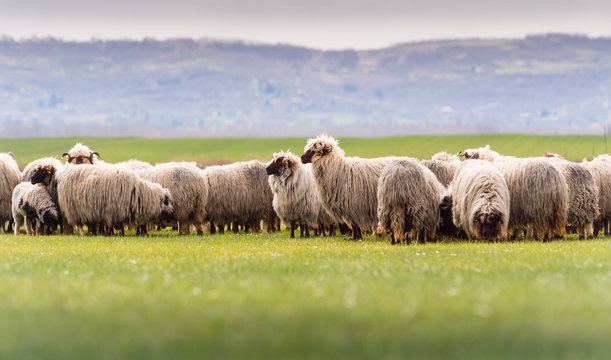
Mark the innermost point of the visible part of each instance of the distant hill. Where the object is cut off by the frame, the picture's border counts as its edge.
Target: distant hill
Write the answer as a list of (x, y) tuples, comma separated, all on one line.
[(541, 84)]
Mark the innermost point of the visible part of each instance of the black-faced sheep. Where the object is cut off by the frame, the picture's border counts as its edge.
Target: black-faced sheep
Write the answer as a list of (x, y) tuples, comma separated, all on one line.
[(81, 154), (31, 167), (444, 166), (295, 196), (347, 186), (409, 196), (33, 204), (10, 176), (189, 191), (480, 201), (110, 196)]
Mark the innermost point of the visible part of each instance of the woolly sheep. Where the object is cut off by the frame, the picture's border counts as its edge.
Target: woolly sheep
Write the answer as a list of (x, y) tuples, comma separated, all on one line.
[(29, 168), (484, 153), (480, 201), (347, 186), (539, 197), (444, 166), (81, 154), (134, 165), (33, 204), (10, 176), (189, 191), (110, 196), (239, 193), (601, 171), (583, 195), (295, 197), (409, 196)]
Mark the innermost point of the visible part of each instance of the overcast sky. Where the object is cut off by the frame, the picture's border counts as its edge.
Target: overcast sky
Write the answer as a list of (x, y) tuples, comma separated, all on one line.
[(328, 24)]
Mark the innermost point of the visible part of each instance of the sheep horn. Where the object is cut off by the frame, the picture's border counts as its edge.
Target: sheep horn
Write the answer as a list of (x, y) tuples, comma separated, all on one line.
[(65, 154), (96, 154)]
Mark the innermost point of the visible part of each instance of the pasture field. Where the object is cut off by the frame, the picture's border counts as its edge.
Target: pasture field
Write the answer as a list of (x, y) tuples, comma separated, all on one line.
[(221, 150), (260, 296)]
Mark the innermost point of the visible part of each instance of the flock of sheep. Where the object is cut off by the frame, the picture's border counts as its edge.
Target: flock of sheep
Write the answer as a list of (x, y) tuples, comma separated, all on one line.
[(486, 196)]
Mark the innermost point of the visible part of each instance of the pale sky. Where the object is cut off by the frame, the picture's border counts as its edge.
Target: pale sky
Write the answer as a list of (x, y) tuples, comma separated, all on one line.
[(326, 24)]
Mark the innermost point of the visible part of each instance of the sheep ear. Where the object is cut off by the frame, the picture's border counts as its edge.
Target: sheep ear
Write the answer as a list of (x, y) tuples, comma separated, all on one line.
[(461, 154), (11, 154), (65, 154)]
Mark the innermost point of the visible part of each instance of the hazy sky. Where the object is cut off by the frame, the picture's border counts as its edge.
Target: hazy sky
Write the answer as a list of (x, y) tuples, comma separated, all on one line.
[(316, 23)]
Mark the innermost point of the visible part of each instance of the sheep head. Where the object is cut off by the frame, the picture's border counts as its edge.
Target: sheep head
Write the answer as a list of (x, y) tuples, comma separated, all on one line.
[(80, 154), (281, 163), (43, 174), (552, 155), (319, 148), (488, 225)]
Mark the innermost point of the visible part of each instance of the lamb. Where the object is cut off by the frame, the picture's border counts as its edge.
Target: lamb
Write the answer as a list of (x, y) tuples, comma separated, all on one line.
[(539, 197), (189, 191), (295, 197), (583, 195), (44, 174), (81, 154), (31, 167), (601, 171), (110, 196), (239, 193), (135, 165), (444, 166), (33, 204), (480, 201), (10, 176), (409, 196), (347, 186)]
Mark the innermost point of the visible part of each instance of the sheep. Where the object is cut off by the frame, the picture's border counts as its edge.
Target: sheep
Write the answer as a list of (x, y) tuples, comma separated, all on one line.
[(110, 196), (81, 154), (34, 204), (189, 191), (295, 196), (583, 195), (601, 171), (408, 197), (444, 166), (239, 193), (539, 197), (44, 174), (480, 201), (135, 165), (29, 168), (484, 153), (10, 176), (347, 186)]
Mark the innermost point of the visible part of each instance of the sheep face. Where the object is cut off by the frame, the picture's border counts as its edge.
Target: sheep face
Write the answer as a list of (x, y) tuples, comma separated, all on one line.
[(282, 163), (80, 154), (469, 154), (167, 210), (43, 174), (319, 148), (50, 218), (488, 226)]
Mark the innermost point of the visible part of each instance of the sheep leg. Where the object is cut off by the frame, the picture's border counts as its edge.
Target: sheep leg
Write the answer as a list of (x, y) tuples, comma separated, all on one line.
[(9, 228), (606, 226), (221, 229), (356, 232), (332, 230), (392, 238), (293, 229), (307, 230), (80, 230), (2, 228), (589, 229), (28, 226), (301, 230), (582, 232), (234, 227), (18, 223)]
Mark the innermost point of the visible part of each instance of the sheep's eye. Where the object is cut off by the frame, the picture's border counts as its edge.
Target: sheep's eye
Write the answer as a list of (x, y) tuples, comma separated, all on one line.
[(475, 220), (500, 221)]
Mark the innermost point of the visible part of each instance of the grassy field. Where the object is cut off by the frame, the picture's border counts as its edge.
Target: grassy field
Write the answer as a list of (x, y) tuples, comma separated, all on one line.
[(264, 296), (228, 150)]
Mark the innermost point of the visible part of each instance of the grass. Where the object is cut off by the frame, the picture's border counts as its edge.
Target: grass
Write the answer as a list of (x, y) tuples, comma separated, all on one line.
[(264, 296), (215, 150)]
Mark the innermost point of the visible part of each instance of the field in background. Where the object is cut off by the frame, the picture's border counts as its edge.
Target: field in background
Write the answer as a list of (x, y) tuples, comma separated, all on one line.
[(221, 150), (265, 296)]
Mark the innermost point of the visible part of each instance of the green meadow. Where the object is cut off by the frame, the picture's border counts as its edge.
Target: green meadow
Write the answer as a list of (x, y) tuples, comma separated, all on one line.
[(222, 150), (263, 296)]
